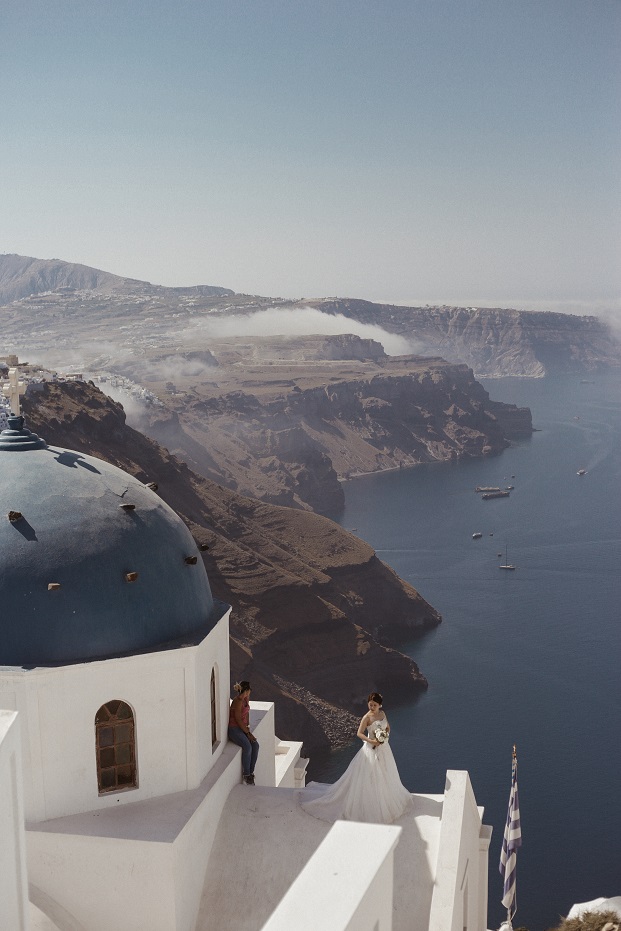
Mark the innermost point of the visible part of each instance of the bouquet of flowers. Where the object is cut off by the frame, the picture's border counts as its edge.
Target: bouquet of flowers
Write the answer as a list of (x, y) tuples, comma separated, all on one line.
[(380, 735)]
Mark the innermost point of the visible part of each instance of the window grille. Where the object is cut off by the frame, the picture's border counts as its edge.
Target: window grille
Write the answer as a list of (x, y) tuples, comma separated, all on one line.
[(115, 740)]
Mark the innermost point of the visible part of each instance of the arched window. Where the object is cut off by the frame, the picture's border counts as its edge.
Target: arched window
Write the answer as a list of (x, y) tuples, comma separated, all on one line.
[(116, 747), (213, 692)]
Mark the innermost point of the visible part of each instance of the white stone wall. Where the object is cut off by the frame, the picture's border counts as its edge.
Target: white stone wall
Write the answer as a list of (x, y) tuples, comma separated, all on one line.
[(347, 885), (193, 846), (290, 765), (212, 653), (104, 883), (459, 901), (155, 857), (262, 722), (13, 879), (169, 694)]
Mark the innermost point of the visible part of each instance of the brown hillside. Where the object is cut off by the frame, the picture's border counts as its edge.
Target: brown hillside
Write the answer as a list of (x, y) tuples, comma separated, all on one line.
[(308, 597)]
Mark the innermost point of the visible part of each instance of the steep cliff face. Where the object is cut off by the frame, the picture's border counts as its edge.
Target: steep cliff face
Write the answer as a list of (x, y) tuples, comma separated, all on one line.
[(250, 455), (288, 440), (46, 303), (306, 594), (67, 305), (494, 341)]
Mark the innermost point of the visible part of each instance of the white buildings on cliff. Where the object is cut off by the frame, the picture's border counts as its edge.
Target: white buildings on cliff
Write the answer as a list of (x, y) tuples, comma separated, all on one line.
[(121, 804)]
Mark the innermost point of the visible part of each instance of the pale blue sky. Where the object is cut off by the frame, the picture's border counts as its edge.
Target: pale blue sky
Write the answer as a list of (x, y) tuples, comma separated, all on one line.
[(445, 152)]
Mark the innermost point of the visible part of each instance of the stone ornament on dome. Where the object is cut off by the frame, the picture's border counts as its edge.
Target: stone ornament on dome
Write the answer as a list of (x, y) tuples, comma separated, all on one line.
[(17, 438)]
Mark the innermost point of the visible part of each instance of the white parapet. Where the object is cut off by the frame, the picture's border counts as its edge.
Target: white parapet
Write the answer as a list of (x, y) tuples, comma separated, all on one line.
[(290, 765), (153, 853), (262, 726), (459, 897), (13, 878), (347, 885)]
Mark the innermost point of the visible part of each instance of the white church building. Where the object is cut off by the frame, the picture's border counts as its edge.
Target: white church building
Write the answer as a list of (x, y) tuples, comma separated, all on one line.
[(121, 802)]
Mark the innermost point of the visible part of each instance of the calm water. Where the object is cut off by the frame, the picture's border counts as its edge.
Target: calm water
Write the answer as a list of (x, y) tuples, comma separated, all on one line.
[(531, 656)]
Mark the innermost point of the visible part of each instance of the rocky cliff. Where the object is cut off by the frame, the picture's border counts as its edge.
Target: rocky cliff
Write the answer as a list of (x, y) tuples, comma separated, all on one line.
[(493, 341), (309, 599), (280, 418), (46, 303), (287, 431)]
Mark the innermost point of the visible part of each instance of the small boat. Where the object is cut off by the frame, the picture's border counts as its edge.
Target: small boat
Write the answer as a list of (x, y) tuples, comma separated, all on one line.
[(509, 487), (477, 536), (581, 472), (494, 494), (487, 488), (506, 563)]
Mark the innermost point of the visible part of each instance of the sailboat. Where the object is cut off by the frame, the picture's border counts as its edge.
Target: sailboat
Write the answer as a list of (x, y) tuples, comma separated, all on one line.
[(506, 563)]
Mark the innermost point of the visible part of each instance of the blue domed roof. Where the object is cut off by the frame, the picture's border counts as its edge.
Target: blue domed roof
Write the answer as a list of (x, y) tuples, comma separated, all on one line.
[(93, 564)]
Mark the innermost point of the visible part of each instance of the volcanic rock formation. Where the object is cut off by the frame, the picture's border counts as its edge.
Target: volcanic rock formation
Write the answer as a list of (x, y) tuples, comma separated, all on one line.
[(287, 430), (313, 606)]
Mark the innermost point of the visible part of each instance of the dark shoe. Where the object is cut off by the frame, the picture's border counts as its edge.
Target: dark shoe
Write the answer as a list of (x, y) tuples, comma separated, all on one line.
[(249, 780)]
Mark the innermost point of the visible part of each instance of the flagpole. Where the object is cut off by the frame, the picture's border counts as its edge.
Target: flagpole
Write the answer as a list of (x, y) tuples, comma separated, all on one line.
[(512, 839), (513, 779)]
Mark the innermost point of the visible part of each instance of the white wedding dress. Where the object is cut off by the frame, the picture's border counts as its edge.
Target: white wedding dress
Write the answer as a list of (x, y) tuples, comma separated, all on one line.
[(369, 790)]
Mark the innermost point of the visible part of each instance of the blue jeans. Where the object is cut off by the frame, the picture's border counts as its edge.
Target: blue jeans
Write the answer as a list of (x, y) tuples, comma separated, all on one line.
[(249, 748)]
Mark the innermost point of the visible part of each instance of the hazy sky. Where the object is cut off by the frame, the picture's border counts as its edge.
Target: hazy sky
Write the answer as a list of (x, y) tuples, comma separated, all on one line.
[(448, 151)]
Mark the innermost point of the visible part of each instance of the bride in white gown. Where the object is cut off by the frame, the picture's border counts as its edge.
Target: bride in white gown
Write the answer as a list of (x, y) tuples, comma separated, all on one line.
[(369, 789)]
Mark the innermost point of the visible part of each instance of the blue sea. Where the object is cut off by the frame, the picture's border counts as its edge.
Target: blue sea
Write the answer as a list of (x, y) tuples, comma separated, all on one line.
[(530, 657)]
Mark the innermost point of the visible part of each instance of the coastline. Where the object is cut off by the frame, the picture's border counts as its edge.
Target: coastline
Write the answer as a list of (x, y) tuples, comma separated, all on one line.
[(563, 537), (426, 462)]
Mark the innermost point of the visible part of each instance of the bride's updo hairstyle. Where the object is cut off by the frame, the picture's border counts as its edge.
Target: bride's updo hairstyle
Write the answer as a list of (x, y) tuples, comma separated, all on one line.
[(375, 696), (241, 687)]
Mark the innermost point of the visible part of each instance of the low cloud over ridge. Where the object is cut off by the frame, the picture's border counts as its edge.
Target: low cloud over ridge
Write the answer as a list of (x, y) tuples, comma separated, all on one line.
[(294, 321)]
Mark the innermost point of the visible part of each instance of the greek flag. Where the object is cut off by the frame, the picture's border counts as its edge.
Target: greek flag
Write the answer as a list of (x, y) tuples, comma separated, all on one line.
[(511, 841)]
